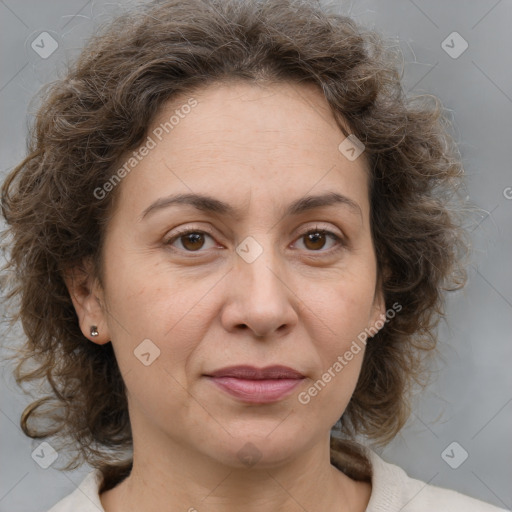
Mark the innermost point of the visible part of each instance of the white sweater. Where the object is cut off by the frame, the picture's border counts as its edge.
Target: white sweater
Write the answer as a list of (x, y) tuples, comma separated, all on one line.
[(392, 491)]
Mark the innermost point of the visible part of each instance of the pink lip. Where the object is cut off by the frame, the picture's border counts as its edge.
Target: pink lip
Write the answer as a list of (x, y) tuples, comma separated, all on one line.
[(255, 385)]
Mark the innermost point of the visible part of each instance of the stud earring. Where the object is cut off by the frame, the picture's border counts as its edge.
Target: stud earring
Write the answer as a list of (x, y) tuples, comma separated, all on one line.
[(94, 331)]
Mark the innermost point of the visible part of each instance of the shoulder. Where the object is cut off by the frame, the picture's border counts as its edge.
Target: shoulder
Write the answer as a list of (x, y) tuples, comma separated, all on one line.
[(393, 490), (85, 498)]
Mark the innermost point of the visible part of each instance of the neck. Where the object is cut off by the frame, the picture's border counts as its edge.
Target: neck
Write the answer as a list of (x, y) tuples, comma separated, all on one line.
[(183, 478)]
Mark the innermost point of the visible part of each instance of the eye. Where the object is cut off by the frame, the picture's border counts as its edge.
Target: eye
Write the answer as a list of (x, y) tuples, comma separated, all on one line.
[(191, 240), (316, 239)]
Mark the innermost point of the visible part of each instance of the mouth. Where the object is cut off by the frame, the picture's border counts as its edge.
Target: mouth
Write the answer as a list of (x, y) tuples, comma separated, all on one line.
[(256, 385)]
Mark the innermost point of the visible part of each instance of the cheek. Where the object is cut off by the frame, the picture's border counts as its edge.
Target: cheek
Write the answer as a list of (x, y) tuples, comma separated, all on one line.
[(155, 332), (146, 304), (341, 314), (345, 309), (328, 396)]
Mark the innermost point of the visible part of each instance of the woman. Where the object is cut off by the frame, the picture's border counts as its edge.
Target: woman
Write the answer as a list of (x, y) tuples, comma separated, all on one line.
[(231, 234)]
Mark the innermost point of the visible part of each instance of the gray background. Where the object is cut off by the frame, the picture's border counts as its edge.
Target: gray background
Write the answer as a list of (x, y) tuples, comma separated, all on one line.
[(470, 398)]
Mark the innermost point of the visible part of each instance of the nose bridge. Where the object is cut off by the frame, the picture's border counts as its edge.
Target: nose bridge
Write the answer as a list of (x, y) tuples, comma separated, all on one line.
[(258, 265), (260, 284)]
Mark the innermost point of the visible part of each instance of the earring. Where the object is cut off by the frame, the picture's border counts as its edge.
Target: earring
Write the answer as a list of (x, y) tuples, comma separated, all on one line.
[(94, 331)]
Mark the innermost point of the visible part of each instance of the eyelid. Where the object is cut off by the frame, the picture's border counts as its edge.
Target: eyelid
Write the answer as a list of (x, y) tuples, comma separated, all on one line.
[(317, 227), (185, 231)]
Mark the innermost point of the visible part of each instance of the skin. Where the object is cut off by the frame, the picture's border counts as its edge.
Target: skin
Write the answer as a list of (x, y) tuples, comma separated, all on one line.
[(300, 303)]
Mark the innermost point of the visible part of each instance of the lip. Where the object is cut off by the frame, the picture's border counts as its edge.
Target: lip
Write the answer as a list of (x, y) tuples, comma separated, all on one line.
[(257, 385)]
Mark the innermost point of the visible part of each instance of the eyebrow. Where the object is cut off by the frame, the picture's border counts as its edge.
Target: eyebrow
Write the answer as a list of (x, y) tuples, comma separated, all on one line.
[(210, 204)]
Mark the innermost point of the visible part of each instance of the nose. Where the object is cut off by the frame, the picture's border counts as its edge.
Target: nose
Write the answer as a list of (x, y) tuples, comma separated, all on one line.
[(260, 296)]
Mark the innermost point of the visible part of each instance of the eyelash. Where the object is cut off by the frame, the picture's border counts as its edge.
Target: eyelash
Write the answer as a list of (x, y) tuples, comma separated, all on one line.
[(339, 241)]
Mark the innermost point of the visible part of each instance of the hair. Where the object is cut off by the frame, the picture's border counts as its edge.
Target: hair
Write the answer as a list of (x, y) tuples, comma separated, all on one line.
[(103, 107)]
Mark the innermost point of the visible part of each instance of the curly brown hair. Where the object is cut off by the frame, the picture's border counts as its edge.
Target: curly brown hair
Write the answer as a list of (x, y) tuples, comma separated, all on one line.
[(103, 108)]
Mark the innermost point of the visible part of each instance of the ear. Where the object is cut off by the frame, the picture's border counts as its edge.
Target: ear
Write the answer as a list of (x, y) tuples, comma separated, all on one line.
[(87, 297)]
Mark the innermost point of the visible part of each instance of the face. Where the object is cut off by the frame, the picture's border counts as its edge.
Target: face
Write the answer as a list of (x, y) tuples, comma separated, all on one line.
[(201, 298)]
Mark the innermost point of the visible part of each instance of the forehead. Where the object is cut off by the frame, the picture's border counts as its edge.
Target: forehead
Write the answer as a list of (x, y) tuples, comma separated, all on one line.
[(239, 138), (280, 115)]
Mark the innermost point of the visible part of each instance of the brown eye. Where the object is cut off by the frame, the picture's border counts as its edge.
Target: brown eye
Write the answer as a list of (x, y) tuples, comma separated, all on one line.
[(316, 240), (190, 241)]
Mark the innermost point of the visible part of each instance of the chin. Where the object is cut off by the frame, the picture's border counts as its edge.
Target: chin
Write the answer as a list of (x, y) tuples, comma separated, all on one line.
[(260, 449)]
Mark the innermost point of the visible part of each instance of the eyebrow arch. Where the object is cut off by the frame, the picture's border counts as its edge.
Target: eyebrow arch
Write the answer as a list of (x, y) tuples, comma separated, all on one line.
[(209, 204)]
